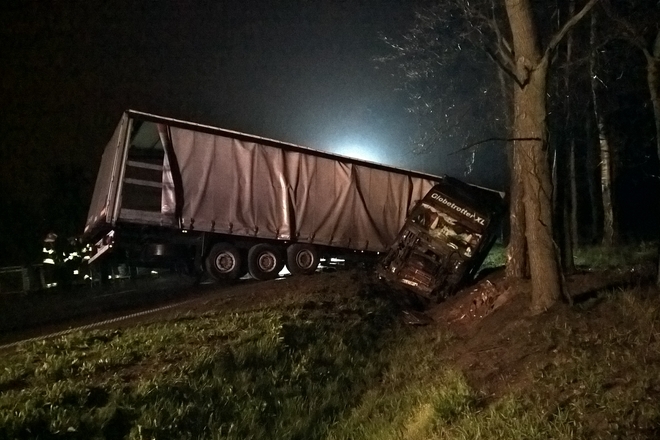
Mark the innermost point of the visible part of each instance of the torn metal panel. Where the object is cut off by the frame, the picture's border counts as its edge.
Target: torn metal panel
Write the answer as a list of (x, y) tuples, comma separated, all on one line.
[(99, 210)]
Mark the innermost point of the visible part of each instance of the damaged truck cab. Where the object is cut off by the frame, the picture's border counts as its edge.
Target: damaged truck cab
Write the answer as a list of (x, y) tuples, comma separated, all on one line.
[(444, 240)]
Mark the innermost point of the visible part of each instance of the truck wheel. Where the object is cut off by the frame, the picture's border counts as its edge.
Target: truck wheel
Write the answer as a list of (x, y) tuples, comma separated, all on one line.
[(265, 261), (302, 259), (224, 262)]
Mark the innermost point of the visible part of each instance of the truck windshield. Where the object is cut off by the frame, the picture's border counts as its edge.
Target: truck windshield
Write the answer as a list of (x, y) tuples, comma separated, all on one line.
[(447, 229)]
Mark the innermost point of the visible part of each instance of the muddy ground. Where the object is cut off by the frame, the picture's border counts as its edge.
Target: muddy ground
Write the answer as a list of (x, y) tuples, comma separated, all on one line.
[(499, 344)]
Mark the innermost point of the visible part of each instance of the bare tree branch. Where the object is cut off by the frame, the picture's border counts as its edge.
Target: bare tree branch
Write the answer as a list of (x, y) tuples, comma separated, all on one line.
[(492, 139), (505, 64), (504, 46), (556, 39)]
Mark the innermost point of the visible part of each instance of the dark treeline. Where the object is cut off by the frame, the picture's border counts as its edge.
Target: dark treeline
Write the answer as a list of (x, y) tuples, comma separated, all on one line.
[(569, 89)]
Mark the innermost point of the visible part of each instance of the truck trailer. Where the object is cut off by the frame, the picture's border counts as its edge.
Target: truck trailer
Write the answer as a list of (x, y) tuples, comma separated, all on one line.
[(228, 203)]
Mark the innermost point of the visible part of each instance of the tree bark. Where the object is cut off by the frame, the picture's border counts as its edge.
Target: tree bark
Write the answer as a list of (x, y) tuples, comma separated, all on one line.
[(530, 148), (516, 251)]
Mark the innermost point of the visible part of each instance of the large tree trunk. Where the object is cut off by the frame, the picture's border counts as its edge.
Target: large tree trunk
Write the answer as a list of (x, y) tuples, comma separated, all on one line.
[(531, 149), (516, 250), (530, 124)]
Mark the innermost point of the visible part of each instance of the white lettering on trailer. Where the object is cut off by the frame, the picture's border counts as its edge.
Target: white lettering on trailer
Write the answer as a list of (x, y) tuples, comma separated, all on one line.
[(455, 207)]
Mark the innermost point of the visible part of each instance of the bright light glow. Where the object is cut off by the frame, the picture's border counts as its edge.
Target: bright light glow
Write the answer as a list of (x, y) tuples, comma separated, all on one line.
[(49, 261), (358, 151), (75, 272)]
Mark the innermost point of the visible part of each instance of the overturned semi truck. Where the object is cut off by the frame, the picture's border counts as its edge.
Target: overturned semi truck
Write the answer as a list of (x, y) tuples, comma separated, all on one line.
[(228, 203), (445, 239), (231, 203)]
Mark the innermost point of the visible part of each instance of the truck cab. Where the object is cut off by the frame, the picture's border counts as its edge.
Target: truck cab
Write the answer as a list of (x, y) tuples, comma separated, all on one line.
[(444, 240)]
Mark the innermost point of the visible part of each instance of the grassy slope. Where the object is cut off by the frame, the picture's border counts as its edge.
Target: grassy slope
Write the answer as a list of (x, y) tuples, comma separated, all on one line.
[(337, 363)]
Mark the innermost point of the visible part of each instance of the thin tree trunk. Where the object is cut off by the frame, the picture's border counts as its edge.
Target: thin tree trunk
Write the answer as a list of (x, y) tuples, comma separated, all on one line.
[(567, 261), (530, 148), (574, 196), (594, 189), (568, 164), (653, 79), (606, 162), (609, 222)]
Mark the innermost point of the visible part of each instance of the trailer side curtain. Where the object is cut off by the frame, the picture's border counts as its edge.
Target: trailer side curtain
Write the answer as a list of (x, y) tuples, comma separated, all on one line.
[(246, 188)]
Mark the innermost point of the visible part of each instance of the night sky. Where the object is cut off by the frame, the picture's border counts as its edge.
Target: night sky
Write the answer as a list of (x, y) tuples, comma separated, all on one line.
[(297, 71)]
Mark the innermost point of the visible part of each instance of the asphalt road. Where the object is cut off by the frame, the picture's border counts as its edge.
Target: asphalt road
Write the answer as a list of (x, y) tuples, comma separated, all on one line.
[(35, 315)]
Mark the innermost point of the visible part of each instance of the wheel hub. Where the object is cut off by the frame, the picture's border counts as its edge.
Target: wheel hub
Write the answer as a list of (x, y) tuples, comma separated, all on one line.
[(304, 259), (225, 262), (267, 261)]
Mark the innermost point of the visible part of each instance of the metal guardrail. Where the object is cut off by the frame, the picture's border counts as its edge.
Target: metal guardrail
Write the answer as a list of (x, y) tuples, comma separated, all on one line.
[(21, 279)]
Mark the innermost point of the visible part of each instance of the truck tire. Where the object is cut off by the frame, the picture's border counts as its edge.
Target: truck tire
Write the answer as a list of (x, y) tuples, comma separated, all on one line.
[(302, 259), (265, 261), (224, 262)]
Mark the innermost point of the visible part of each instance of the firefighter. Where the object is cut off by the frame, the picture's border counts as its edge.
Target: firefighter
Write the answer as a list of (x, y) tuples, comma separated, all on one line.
[(51, 260)]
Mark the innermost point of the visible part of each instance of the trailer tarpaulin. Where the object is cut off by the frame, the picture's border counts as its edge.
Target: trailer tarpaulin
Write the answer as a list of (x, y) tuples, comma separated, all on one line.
[(251, 189)]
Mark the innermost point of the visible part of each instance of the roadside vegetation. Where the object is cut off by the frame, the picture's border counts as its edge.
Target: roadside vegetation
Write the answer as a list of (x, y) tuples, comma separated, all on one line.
[(337, 362), (592, 257)]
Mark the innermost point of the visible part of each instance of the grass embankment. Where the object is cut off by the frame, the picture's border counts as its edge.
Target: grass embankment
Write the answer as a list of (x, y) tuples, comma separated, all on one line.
[(285, 372), (339, 365), (593, 257)]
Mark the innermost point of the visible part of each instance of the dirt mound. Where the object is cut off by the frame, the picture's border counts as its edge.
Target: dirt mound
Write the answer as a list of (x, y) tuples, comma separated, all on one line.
[(498, 343)]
